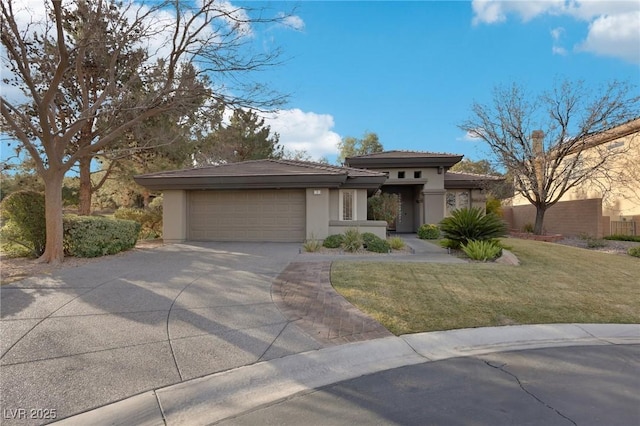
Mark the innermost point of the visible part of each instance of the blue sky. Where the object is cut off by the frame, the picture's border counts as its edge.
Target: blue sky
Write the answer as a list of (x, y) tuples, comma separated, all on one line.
[(410, 71)]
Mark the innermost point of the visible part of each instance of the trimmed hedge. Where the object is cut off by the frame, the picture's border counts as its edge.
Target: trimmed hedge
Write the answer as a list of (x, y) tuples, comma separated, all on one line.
[(428, 231), (374, 243), (88, 236), (25, 220), (333, 241), (150, 219)]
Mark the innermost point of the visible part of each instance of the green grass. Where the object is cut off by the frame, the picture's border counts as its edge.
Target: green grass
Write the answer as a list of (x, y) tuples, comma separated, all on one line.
[(553, 284)]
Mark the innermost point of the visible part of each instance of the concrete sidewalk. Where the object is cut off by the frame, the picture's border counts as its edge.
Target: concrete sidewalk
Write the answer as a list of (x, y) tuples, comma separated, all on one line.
[(231, 393)]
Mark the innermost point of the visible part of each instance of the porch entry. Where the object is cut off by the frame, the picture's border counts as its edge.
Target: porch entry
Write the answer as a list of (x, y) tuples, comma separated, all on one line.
[(408, 207)]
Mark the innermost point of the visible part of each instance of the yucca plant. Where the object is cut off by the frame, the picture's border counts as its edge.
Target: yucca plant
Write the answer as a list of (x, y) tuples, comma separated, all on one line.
[(352, 240), (469, 224)]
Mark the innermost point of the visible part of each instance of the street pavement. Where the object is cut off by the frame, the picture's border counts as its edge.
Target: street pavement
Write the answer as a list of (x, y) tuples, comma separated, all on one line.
[(563, 386)]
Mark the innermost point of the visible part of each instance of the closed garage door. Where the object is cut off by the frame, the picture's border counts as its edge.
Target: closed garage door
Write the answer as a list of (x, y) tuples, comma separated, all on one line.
[(247, 215)]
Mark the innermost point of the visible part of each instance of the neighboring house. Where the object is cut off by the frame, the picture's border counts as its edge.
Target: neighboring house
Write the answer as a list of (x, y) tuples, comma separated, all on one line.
[(608, 203), (290, 201)]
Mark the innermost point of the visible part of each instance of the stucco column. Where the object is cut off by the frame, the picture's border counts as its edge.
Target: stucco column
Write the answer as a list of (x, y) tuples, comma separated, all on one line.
[(433, 205), (317, 213), (174, 216)]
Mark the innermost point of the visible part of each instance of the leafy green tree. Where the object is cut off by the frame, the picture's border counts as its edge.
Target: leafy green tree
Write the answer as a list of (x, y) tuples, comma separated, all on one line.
[(480, 167), (246, 137), (90, 73), (351, 147)]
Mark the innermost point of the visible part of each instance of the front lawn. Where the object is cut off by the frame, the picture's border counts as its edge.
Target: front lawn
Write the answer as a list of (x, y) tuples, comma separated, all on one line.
[(553, 284)]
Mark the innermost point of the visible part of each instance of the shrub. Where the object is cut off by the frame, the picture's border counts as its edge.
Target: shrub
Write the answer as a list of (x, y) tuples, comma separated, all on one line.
[(383, 206), (635, 238), (493, 205), (634, 251), (528, 227), (150, 219), (25, 220), (428, 232), (333, 241), (312, 245), (396, 243), (88, 236), (594, 243), (449, 244), (352, 240), (482, 249), (472, 224), (375, 244)]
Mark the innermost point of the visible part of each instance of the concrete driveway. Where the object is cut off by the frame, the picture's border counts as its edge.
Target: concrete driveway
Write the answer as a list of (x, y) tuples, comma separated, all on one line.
[(101, 332)]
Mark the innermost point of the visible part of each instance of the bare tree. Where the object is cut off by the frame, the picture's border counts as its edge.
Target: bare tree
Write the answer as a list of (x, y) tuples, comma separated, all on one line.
[(550, 142), (92, 70)]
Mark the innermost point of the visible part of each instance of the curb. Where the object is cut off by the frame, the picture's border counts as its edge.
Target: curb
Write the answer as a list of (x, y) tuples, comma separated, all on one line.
[(230, 393)]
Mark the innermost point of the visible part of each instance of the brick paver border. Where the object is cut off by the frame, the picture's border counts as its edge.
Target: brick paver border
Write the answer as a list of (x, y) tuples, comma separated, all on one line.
[(304, 295)]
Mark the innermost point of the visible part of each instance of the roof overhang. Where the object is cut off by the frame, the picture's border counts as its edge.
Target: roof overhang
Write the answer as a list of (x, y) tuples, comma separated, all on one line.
[(458, 180), (240, 182), (381, 163), (262, 174)]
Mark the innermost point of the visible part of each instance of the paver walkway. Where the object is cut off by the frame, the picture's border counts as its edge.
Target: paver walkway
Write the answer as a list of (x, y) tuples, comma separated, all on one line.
[(304, 295)]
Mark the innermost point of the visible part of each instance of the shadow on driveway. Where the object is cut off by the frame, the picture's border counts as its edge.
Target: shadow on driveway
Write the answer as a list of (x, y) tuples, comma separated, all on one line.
[(104, 331)]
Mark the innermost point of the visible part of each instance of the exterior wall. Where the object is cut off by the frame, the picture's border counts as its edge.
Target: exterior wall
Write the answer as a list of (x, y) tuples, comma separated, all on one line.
[(569, 218), (429, 177), (336, 226), (174, 216), (317, 213), (377, 227), (434, 205), (621, 200)]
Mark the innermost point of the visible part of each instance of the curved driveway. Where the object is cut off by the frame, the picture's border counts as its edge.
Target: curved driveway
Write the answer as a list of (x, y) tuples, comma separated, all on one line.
[(104, 331)]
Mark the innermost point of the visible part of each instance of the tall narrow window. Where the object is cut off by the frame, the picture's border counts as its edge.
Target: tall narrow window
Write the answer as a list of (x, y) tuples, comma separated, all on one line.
[(348, 205)]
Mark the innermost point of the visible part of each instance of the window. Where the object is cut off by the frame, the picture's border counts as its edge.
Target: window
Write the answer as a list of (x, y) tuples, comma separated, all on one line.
[(456, 200), (400, 175), (347, 205), (417, 174)]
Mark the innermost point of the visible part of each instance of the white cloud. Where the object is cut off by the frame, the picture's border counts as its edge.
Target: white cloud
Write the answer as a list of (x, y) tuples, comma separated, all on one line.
[(559, 50), (306, 131), (292, 21), (616, 35), (469, 137), (613, 25), (495, 11), (556, 34)]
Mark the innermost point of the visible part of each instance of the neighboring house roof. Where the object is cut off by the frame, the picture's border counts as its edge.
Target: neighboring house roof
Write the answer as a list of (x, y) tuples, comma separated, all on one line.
[(459, 180), (403, 159), (263, 174), (613, 133)]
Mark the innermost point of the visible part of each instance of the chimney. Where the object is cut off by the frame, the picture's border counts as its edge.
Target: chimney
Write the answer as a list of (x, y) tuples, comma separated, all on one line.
[(537, 136)]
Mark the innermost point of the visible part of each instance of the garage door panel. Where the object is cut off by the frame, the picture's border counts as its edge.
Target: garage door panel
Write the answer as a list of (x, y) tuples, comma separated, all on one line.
[(247, 215)]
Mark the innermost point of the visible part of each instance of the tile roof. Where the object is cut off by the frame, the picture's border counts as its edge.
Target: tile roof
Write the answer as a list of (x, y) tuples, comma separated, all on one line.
[(406, 154), (266, 167)]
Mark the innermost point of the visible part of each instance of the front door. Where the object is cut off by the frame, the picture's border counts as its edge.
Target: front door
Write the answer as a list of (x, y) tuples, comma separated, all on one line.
[(404, 221)]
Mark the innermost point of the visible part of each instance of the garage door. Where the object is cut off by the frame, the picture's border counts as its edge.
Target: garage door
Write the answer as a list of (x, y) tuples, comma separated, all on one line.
[(247, 215)]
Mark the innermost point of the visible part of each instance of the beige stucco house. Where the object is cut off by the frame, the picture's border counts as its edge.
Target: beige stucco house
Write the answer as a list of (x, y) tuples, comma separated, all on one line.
[(291, 201), (609, 203)]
